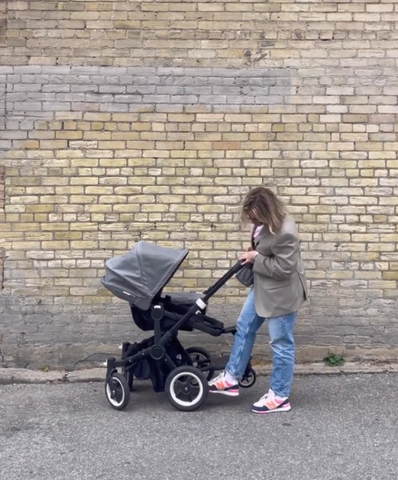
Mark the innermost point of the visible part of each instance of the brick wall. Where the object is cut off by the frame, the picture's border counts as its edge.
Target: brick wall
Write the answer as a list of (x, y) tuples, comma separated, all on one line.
[(145, 120)]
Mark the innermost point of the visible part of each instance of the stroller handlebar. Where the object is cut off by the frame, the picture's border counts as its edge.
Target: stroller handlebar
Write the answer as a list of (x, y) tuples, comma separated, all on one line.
[(222, 281)]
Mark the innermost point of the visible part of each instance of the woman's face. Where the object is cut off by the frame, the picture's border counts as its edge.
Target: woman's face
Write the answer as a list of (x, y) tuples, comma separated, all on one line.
[(253, 219)]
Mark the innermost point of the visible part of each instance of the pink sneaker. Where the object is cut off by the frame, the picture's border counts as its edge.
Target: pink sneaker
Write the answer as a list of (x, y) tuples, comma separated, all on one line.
[(220, 385), (269, 403)]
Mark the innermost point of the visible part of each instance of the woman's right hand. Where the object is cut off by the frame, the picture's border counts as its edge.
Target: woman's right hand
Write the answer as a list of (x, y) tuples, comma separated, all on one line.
[(248, 257)]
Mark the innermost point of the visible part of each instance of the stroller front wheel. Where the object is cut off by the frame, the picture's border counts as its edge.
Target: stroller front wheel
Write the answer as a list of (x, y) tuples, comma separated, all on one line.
[(117, 391), (186, 388)]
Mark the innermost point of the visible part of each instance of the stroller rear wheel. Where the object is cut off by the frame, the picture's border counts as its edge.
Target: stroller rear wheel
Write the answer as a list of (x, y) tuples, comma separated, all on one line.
[(117, 391), (201, 359), (186, 388)]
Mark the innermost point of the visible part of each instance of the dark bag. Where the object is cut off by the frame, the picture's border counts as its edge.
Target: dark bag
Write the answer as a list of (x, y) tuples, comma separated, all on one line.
[(246, 275)]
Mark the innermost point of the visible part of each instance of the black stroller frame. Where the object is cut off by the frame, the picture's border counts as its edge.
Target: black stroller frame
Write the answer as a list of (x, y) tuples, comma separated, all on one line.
[(182, 373)]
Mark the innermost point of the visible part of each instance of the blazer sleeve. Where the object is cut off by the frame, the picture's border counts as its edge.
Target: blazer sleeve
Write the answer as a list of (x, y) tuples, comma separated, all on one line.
[(283, 261)]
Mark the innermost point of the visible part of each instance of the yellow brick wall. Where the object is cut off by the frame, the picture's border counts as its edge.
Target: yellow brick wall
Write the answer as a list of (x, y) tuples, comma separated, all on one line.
[(124, 120), (222, 33)]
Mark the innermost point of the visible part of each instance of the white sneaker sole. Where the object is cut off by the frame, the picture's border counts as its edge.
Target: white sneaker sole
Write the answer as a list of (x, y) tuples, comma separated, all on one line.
[(228, 394), (275, 410)]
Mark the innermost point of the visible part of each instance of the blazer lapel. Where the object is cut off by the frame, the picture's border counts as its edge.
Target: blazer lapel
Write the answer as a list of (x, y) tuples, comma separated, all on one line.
[(264, 232)]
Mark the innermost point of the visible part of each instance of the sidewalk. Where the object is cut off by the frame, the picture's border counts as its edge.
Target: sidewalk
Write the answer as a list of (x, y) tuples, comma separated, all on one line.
[(21, 375), (341, 428)]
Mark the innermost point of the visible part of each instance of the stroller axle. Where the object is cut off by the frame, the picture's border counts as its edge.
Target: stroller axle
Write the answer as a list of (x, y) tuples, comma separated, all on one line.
[(157, 352)]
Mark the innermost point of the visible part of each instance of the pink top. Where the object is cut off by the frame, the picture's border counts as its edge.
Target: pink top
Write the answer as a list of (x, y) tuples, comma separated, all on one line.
[(257, 230)]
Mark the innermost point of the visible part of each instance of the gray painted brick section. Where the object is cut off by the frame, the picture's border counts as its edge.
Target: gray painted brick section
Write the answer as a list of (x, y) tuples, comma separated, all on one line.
[(83, 88), (141, 71), (121, 89), (116, 89), (61, 70), (128, 98), (30, 69), (85, 70), (108, 80), (11, 78), (113, 107), (183, 99), (24, 87), (56, 106), (170, 91), (198, 90), (6, 70), (113, 71), (139, 90), (24, 107), (156, 98)]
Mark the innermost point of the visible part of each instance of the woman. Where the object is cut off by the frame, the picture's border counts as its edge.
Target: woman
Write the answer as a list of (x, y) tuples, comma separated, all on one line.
[(278, 291)]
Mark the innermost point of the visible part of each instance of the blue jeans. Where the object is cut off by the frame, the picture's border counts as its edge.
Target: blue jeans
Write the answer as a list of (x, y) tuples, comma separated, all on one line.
[(282, 344)]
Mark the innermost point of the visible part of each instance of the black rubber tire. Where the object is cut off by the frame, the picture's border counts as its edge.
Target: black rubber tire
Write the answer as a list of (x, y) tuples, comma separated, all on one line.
[(202, 385), (206, 355), (251, 381), (122, 391)]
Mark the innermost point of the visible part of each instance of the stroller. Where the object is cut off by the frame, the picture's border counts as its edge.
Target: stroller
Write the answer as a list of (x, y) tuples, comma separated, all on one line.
[(139, 278)]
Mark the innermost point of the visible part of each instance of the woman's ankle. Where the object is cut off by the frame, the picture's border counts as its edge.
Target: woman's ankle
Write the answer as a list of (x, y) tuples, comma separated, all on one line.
[(230, 378)]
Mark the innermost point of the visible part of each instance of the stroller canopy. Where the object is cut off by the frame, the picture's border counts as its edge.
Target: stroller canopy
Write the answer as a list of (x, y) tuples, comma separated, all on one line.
[(141, 273)]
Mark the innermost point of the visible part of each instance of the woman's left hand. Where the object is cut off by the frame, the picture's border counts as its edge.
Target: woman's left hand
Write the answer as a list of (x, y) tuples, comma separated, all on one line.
[(248, 257)]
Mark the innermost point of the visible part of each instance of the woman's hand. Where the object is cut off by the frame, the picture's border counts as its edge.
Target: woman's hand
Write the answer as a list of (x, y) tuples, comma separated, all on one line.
[(248, 257)]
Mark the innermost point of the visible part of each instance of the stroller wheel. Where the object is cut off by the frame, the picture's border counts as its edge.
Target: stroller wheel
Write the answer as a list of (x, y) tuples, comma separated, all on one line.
[(201, 359), (186, 388), (117, 391), (249, 379)]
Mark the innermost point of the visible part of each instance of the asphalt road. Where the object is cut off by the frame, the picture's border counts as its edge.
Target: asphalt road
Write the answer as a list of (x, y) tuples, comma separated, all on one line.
[(340, 428)]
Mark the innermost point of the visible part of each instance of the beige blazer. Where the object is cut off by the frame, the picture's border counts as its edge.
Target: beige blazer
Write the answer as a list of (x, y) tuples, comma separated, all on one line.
[(280, 285)]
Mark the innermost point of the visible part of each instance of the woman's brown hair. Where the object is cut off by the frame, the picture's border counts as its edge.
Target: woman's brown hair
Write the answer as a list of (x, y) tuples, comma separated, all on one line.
[(262, 207)]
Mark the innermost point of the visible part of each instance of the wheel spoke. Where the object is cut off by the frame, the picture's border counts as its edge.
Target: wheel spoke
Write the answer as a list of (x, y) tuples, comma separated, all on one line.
[(184, 382), (182, 393), (195, 390), (179, 387), (186, 388), (118, 392)]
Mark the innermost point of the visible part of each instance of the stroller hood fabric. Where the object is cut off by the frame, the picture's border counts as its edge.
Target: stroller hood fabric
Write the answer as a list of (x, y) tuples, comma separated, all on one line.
[(141, 273)]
